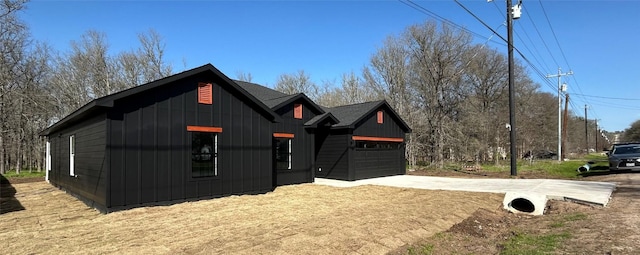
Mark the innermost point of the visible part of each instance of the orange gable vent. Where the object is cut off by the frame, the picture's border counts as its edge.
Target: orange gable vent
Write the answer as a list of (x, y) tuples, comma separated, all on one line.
[(205, 93), (297, 111)]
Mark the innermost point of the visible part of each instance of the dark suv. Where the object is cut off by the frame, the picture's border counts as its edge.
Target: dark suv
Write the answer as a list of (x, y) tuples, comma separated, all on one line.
[(624, 157)]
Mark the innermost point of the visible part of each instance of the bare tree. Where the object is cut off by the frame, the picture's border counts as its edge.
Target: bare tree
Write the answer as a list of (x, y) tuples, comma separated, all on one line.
[(352, 91), (486, 75), (13, 44), (151, 56), (242, 76), (437, 58), (299, 82), (388, 75)]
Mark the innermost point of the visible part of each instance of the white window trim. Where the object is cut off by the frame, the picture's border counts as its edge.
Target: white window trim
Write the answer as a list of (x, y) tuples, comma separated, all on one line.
[(215, 154), (72, 155), (47, 164), (289, 154)]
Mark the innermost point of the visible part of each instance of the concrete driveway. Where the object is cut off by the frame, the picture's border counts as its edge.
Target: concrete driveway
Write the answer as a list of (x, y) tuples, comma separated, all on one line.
[(597, 193)]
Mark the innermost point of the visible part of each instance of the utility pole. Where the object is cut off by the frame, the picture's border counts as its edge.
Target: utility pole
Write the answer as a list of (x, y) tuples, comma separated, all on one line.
[(513, 12), (586, 131), (560, 90), (564, 124), (597, 134)]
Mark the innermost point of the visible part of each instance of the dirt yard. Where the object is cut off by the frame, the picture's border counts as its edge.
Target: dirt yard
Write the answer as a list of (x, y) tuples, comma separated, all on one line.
[(298, 219), (304, 219), (580, 229)]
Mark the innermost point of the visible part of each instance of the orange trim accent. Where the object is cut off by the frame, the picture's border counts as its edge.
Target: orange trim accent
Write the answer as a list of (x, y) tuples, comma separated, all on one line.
[(377, 139), (283, 135), (380, 117), (205, 93), (297, 111), (204, 129)]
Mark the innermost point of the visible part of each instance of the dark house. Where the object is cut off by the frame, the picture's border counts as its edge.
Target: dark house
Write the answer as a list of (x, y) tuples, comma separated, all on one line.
[(199, 134), (192, 135), (293, 137), (348, 142), (368, 141)]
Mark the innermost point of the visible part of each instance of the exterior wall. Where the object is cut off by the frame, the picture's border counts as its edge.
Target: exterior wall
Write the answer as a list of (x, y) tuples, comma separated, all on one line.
[(332, 154), (302, 154), (369, 126), (369, 163), (90, 180), (150, 148)]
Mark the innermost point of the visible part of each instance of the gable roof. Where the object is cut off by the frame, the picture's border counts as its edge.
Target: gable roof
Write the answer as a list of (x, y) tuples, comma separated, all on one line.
[(276, 99), (315, 121), (350, 115), (108, 101)]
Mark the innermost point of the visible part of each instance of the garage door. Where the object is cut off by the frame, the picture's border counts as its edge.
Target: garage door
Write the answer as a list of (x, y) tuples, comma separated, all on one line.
[(377, 159)]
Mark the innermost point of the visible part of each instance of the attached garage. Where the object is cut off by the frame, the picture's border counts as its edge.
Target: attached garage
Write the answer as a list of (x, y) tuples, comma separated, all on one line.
[(368, 142), (374, 157)]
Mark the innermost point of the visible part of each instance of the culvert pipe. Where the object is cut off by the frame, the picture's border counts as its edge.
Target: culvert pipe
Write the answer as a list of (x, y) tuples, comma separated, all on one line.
[(584, 168), (526, 203)]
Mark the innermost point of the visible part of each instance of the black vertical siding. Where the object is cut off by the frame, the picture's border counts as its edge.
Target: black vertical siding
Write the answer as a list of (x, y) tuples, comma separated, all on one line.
[(369, 163), (90, 166), (332, 154), (302, 155), (370, 127), (150, 147)]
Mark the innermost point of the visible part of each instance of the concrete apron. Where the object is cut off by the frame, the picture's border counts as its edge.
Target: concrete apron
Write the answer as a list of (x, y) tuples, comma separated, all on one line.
[(527, 196)]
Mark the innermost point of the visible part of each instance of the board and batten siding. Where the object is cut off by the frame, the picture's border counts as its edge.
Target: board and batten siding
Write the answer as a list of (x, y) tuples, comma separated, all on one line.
[(90, 178), (302, 154), (150, 147), (369, 126), (369, 163), (332, 154)]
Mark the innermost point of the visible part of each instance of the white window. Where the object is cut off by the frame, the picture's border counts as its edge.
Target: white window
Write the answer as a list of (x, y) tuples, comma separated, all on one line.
[(47, 161), (204, 154), (72, 155), (283, 153)]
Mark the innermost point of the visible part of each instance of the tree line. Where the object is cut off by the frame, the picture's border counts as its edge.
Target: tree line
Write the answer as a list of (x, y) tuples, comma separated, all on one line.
[(39, 85), (452, 92), (454, 95)]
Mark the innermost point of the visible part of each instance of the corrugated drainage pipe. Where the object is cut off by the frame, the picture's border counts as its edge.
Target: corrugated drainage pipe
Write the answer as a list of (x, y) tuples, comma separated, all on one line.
[(530, 203)]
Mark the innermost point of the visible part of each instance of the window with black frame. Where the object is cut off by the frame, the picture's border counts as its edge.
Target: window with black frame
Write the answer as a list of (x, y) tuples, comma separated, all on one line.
[(283, 153), (204, 154), (377, 145)]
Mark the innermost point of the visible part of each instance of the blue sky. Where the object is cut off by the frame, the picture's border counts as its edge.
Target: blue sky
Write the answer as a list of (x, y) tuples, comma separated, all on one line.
[(597, 40)]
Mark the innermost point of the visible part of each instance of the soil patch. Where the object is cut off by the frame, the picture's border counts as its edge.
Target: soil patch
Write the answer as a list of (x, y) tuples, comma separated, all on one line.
[(584, 229)]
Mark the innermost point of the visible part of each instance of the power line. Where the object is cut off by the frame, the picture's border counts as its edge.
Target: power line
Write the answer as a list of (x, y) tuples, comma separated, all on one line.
[(553, 32), (444, 20), (544, 64), (614, 98), (541, 38), (560, 48)]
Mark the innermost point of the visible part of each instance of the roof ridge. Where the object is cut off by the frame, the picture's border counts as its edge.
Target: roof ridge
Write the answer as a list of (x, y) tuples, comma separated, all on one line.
[(348, 105)]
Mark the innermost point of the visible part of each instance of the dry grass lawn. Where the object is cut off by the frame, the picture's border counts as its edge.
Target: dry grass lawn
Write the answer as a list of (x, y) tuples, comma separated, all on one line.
[(297, 219)]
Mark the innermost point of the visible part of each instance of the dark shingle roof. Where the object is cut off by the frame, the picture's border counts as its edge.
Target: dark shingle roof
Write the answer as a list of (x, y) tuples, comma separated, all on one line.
[(272, 98), (261, 92), (319, 118), (350, 114), (269, 97)]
